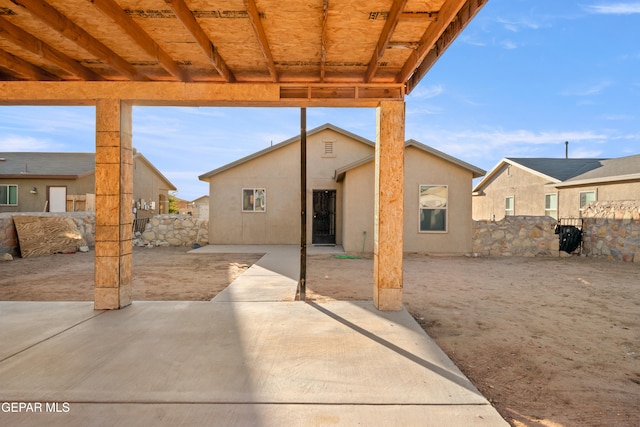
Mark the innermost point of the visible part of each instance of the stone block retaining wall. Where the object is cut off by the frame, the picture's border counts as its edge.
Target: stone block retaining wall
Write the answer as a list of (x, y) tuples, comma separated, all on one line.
[(612, 230), (174, 230), (527, 236)]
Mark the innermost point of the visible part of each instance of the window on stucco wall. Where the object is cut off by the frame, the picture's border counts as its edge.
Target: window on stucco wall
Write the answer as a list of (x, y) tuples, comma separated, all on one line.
[(551, 205), (509, 206), (587, 197), (9, 195), (254, 200), (433, 202)]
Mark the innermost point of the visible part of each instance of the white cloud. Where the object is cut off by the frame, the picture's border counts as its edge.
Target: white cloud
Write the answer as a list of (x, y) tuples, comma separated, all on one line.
[(18, 143), (628, 8), (427, 92), (590, 90), (508, 44), (518, 25)]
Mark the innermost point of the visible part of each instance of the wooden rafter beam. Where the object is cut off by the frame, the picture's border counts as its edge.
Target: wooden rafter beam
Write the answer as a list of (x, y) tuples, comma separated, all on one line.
[(254, 18), (141, 38), (182, 11), (385, 38), (56, 20), (463, 17), (20, 37), (23, 68), (447, 14), (323, 39)]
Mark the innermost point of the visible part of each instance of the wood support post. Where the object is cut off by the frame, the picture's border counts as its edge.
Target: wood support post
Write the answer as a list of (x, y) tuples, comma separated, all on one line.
[(388, 205), (114, 197)]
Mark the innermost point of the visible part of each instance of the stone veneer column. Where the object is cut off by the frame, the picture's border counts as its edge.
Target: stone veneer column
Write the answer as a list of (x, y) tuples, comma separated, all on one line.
[(114, 197), (388, 206)]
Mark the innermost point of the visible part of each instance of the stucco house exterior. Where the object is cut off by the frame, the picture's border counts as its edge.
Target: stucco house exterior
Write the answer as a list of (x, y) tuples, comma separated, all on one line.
[(556, 187), (256, 200), (65, 182)]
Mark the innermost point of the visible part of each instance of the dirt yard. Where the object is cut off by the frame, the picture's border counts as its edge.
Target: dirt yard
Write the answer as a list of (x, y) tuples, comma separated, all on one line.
[(549, 341)]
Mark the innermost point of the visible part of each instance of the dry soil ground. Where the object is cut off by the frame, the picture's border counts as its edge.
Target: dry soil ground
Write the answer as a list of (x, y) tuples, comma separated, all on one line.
[(549, 341)]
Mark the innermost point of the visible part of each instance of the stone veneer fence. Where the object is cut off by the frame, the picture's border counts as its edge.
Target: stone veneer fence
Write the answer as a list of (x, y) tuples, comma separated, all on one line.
[(175, 230), (611, 230)]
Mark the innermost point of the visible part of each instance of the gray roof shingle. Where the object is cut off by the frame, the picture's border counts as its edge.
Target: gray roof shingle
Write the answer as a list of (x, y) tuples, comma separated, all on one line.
[(60, 164)]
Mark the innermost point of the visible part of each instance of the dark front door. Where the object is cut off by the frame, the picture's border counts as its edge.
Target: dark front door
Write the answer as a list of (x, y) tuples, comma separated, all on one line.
[(324, 217)]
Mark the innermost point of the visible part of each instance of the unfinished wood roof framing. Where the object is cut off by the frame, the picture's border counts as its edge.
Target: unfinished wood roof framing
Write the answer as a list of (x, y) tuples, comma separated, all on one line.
[(304, 53)]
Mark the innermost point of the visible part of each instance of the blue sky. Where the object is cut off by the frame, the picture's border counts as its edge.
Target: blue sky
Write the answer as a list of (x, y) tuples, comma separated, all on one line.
[(522, 78)]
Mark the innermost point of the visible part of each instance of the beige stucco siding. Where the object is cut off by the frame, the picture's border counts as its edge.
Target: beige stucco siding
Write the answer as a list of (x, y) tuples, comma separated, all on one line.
[(527, 189), (278, 172), (148, 187), (569, 197), (358, 220), (28, 202), (422, 168)]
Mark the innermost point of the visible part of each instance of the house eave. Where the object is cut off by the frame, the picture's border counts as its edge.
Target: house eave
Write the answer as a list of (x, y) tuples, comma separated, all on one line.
[(602, 180), (37, 176)]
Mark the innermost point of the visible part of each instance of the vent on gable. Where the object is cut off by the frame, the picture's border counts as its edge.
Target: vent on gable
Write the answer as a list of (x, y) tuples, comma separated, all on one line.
[(329, 149)]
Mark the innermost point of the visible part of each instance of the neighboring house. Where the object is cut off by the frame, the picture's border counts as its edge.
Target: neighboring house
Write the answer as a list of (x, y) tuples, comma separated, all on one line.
[(256, 200), (201, 207), (59, 182), (555, 187)]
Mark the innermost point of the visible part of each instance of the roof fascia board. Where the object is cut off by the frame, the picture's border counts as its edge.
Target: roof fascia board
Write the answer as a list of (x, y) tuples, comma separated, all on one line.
[(602, 180), (326, 126), (507, 161), (476, 171), (155, 170)]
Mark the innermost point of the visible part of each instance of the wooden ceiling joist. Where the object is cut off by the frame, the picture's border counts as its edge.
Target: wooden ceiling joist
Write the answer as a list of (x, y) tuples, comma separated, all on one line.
[(385, 37), (56, 20), (184, 14), (21, 38), (463, 17), (431, 35), (142, 39), (24, 68), (254, 18), (323, 39), (302, 52)]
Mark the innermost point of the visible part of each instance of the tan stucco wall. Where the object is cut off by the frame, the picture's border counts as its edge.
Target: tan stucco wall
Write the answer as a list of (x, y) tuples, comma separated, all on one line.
[(279, 172), (569, 198), (527, 189), (28, 202), (420, 169), (426, 169), (358, 219), (529, 192), (148, 186)]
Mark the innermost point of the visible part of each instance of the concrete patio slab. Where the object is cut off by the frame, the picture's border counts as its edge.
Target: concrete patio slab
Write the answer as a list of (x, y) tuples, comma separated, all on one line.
[(265, 361), (28, 323), (252, 357)]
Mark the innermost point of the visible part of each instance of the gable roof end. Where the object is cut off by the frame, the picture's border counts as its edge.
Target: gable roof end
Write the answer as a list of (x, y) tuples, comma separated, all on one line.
[(326, 126), (476, 171)]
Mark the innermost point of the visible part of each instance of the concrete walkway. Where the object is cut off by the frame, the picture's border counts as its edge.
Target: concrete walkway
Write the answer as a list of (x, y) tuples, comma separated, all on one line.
[(232, 361)]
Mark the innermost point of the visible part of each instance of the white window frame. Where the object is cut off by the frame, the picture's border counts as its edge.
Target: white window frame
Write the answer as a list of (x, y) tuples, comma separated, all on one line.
[(7, 186), (513, 206), (445, 209), (257, 192), (595, 198), (546, 209)]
